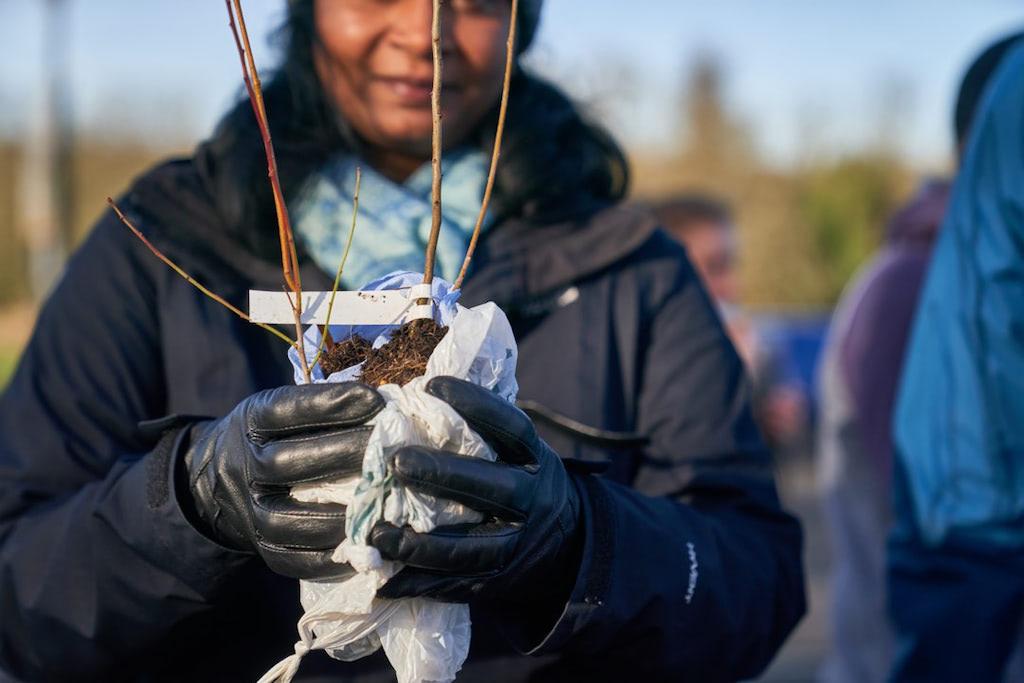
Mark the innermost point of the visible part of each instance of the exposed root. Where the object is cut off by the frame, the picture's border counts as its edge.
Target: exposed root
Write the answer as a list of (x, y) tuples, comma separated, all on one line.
[(405, 356), (401, 360), (344, 354)]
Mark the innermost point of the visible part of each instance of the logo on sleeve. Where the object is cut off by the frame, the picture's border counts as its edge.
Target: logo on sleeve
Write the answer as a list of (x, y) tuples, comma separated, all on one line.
[(691, 552)]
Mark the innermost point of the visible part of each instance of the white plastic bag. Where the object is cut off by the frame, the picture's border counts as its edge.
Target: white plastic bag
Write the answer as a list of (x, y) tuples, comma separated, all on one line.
[(424, 640)]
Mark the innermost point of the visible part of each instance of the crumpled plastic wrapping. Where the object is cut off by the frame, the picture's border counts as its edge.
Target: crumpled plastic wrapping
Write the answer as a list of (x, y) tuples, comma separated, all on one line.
[(425, 640)]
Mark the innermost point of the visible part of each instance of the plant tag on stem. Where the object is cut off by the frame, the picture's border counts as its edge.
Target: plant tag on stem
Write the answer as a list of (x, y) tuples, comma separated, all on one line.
[(382, 307)]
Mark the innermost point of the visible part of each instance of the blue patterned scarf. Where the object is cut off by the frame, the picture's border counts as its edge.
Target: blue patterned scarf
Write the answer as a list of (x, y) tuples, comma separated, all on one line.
[(394, 220)]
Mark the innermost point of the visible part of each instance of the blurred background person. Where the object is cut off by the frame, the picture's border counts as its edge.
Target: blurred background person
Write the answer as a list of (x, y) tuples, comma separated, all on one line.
[(704, 224), (857, 384), (858, 379), (956, 553)]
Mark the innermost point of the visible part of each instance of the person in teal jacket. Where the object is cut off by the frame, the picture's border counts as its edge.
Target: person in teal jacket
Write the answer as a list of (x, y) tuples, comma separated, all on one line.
[(956, 552)]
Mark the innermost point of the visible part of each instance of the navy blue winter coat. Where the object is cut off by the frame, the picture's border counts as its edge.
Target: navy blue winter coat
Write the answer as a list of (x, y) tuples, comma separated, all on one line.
[(690, 570)]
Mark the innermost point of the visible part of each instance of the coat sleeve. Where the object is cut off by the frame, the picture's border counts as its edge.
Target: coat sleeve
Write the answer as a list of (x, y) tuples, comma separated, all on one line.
[(695, 572), (96, 559)]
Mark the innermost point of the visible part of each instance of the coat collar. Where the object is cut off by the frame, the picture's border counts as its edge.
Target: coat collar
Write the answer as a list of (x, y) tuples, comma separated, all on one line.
[(517, 260)]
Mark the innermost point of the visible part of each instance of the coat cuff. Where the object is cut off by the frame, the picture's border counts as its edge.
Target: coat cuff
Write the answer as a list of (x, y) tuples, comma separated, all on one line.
[(589, 591), (143, 510)]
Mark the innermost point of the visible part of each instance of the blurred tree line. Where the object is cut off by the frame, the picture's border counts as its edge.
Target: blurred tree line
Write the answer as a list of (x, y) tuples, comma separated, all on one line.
[(100, 168), (13, 256), (803, 230)]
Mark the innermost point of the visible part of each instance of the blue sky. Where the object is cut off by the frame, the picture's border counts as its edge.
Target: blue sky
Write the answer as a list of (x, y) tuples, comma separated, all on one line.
[(797, 69)]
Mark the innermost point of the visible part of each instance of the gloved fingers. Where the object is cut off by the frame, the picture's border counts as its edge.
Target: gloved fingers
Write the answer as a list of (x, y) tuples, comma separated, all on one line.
[(492, 488), (310, 457), (508, 430), (310, 565), (290, 410), (282, 521), (460, 549)]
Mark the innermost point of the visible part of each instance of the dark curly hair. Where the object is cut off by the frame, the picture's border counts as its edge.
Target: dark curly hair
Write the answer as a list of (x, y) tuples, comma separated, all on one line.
[(554, 163), (975, 81)]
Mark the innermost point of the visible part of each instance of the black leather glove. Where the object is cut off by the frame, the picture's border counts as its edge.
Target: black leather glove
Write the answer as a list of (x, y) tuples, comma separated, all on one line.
[(526, 548), (239, 471)]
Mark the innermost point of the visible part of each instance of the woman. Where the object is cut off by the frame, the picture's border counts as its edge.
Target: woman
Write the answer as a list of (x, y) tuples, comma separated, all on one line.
[(161, 549)]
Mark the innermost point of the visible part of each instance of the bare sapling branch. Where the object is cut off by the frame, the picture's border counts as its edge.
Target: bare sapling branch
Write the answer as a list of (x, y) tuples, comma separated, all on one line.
[(191, 280), (300, 346), (496, 153), (327, 342), (341, 268), (435, 159), (289, 256)]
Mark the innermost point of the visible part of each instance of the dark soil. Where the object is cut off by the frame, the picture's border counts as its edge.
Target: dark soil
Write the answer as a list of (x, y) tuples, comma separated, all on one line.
[(404, 357), (401, 360), (344, 354)]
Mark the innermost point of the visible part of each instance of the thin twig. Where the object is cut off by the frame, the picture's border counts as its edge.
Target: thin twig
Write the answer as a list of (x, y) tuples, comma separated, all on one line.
[(496, 153), (297, 315), (435, 159), (289, 256), (191, 280), (328, 342), (301, 348), (341, 266)]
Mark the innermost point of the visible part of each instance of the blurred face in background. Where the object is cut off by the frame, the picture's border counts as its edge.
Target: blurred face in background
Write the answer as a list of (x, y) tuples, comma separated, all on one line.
[(712, 248), (375, 60)]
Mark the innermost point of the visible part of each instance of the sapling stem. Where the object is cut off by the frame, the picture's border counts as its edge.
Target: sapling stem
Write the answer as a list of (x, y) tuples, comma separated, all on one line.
[(435, 158), (341, 267), (496, 152), (289, 256), (328, 342), (191, 280)]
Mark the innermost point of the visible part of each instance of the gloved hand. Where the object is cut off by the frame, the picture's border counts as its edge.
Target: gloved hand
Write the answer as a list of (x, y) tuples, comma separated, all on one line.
[(240, 469), (528, 544)]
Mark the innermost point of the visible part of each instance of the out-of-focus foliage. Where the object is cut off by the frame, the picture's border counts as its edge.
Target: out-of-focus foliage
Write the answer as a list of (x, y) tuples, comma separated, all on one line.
[(844, 206), (803, 231), (8, 359), (13, 264), (101, 168), (15, 323)]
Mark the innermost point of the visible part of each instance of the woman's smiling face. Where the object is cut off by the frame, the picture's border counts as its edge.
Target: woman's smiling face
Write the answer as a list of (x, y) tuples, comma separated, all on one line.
[(375, 60)]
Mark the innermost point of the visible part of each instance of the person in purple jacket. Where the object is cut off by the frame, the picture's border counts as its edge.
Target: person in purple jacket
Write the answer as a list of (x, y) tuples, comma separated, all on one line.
[(858, 378)]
